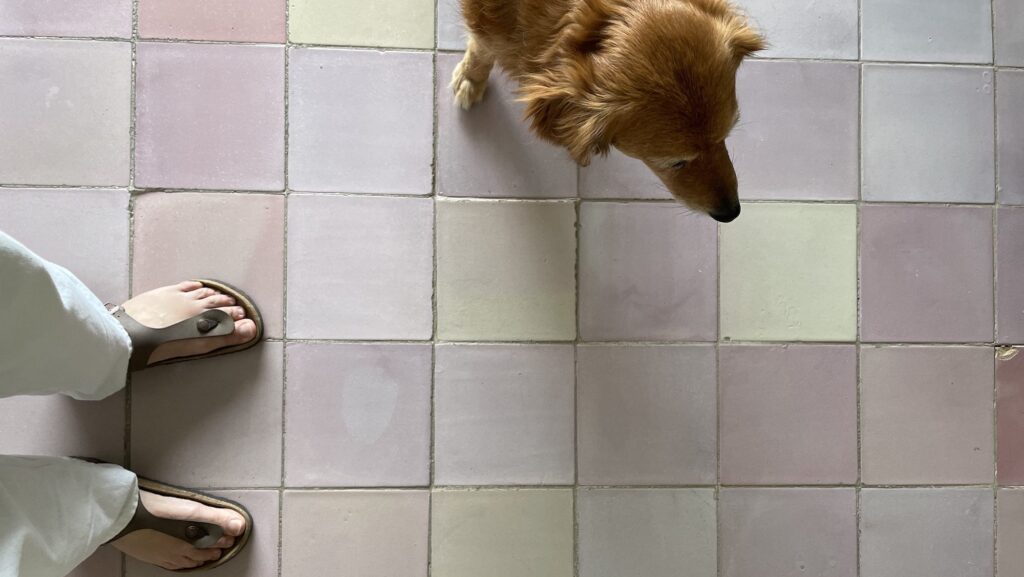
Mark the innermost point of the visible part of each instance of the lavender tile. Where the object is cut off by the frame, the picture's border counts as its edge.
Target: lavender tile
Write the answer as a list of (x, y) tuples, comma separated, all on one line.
[(1010, 275), (926, 415), (1010, 134), (926, 533), (209, 116), (928, 134), (788, 415), (646, 415), (619, 176), (175, 241), (775, 532), (360, 121), (504, 415), (489, 151), (796, 29), (927, 30), (369, 533), (79, 18), (799, 135), (1009, 31), (259, 559), (451, 31), (921, 284), (649, 532), (97, 220), (60, 426), (647, 272), (360, 268), (66, 120), (230, 439), (230, 20), (357, 415), (1010, 515), (1010, 415), (106, 561)]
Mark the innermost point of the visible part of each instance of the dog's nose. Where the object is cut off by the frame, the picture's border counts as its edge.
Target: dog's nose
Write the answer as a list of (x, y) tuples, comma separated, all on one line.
[(727, 215)]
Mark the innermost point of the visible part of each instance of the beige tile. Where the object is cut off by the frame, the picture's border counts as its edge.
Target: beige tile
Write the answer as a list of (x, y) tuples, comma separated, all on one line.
[(391, 23)]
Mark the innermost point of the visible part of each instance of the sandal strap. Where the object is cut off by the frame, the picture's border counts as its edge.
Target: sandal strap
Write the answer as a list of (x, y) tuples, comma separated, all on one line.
[(196, 533), (145, 340)]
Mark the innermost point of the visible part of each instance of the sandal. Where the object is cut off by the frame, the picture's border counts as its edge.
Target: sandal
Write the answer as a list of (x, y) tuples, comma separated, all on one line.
[(210, 323)]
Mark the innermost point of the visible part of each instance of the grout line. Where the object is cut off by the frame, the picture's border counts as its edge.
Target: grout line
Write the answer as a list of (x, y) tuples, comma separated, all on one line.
[(284, 293), (995, 297), (578, 225), (694, 344), (719, 553), (433, 297)]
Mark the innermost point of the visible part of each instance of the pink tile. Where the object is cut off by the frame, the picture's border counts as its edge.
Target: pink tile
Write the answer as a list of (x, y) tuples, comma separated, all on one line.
[(647, 272), (1010, 130), (211, 423), (259, 559), (788, 415), (1010, 416), (79, 18), (236, 238), (619, 176), (234, 20), (97, 220), (926, 415), (1010, 520), (919, 283), (106, 562), (360, 268), (209, 116), (62, 427), (646, 415), (358, 415), (776, 532), (504, 415), (1010, 275), (67, 119)]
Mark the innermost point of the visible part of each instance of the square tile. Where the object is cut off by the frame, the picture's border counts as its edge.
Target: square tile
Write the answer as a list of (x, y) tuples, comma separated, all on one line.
[(230, 20), (776, 532), (928, 134), (504, 533), (506, 270), (646, 415), (926, 533), (106, 561), (231, 439), (1010, 275), (259, 559), (619, 176), (919, 283), (451, 30), (174, 241), (788, 415), (647, 272), (395, 23), (797, 29), (360, 121), (66, 121), (1009, 31), (926, 415), (1010, 134), (79, 18), (489, 151), (1010, 415), (59, 426), (1010, 515), (645, 532), (369, 533), (789, 272), (357, 415), (97, 220), (360, 268), (927, 30), (800, 131), (209, 116), (504, 415)]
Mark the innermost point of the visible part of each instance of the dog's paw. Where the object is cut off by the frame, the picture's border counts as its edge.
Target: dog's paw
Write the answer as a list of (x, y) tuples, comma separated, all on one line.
[(467, 92)]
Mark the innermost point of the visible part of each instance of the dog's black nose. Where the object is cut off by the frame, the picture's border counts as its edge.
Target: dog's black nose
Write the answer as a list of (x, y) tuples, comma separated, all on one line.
[(727, 215)]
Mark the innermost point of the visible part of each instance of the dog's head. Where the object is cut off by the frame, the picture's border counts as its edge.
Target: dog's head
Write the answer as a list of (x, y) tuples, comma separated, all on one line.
[(657, 80)]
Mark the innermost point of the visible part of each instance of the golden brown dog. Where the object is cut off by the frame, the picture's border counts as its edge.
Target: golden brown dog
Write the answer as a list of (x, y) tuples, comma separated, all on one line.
[(654, 78)]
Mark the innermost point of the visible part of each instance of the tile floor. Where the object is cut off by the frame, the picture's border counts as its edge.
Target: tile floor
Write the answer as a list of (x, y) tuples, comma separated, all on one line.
[(485, 362)]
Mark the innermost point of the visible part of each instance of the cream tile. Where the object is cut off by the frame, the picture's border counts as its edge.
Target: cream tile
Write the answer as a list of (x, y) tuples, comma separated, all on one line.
[(390, 23)]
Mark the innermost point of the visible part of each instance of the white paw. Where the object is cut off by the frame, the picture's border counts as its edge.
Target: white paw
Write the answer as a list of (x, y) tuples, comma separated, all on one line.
[(467, 92)]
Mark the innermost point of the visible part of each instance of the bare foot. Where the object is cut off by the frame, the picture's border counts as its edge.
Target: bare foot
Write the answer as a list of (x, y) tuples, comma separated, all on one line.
[(165, 551), (170, 305)]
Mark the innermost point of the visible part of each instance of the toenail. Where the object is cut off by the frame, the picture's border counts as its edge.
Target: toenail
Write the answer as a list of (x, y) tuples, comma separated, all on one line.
[(235, 526)]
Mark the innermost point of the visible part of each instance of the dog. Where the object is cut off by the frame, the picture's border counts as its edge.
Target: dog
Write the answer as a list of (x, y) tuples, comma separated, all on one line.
[(654, 78)]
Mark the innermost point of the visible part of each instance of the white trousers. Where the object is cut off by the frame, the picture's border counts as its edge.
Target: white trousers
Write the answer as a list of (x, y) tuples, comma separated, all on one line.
[(56, 337)]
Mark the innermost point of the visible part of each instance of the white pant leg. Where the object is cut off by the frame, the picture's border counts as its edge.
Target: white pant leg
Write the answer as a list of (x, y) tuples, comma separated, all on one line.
[(55, 512), (55, 335)]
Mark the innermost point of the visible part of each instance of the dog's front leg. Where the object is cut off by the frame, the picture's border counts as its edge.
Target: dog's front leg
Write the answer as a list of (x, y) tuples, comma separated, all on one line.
[(469, 81)]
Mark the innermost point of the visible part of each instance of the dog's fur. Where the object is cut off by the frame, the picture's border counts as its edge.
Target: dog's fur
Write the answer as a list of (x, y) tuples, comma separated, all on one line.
[(654, 78)]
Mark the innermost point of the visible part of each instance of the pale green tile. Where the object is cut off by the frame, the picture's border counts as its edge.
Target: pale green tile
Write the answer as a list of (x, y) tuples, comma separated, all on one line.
[(506, 270), (384, 23), (502, 533), (789, 272)]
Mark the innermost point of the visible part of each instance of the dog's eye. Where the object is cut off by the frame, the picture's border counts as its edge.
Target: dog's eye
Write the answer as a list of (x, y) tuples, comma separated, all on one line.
[(680, 165)]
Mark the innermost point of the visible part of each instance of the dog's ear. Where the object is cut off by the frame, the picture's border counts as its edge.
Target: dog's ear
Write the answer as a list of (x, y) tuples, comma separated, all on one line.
[(743, 39), (588, 24), (561, 113)]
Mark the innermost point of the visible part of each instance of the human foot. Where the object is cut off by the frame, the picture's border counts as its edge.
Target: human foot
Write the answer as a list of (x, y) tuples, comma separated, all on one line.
[(156, 548), (169, 305)]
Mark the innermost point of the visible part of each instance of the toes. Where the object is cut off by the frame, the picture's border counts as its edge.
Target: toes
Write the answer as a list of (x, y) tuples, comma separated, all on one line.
[(232, 522), (217, 300), (237, 313), (188, 286), (203, 555), (201, 293), (225, 542), (245, 330)]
